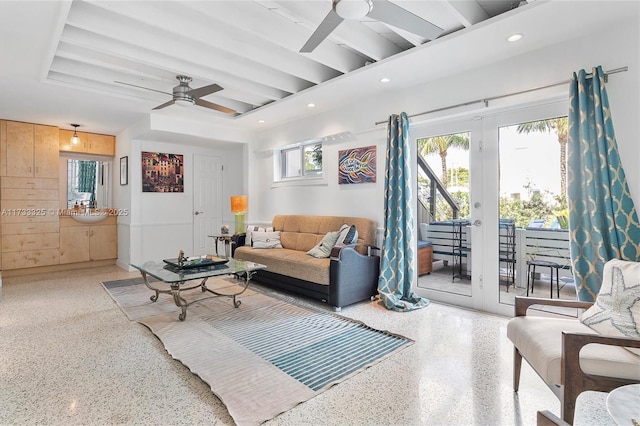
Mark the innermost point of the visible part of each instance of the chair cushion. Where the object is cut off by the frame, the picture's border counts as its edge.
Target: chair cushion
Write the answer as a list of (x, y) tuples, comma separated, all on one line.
[(539, 340), (616, 311)]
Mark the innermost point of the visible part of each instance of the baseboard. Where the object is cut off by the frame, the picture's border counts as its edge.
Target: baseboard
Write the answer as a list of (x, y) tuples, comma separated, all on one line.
[(56, 268)]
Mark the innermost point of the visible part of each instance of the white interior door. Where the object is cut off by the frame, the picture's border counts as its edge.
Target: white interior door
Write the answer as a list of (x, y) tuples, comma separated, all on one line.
[(207, 202)]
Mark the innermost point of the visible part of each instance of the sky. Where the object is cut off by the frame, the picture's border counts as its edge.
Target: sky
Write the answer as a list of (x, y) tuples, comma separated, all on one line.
[(533, 157)]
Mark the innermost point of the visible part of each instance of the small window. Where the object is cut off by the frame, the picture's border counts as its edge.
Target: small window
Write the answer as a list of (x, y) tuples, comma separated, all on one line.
[(300, 161)]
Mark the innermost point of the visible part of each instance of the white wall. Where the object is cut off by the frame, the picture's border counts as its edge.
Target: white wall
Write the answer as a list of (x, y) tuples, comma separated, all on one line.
[(609, 47), (160, 224)]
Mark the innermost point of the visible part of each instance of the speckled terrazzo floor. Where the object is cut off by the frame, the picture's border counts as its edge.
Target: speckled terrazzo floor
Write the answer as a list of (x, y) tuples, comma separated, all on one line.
[(69, 356)]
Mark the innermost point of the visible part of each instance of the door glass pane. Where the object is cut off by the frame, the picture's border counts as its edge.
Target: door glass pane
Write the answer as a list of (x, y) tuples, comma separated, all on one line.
[(533, 198), (443, 212)]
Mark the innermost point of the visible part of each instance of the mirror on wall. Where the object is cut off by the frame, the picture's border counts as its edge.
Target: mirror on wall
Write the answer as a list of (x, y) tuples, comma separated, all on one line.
[(87, 183)]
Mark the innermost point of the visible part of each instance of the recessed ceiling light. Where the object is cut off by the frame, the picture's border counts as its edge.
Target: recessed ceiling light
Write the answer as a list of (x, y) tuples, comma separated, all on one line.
[(514, 37), (260, 121), (311, 105), (385, 80)]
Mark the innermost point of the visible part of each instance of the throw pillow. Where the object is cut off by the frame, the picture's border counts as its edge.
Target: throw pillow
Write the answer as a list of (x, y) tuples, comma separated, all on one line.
[(266, 240), (347, 235), (249, 232), (616, 311), (323, 248)]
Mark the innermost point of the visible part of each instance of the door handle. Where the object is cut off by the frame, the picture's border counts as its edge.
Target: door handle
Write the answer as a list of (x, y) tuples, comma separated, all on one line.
[(197, 213), (477, 222)]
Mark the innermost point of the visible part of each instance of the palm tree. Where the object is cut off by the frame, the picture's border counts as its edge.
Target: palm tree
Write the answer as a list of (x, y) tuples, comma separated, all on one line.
[(440, 145), (561, 129)]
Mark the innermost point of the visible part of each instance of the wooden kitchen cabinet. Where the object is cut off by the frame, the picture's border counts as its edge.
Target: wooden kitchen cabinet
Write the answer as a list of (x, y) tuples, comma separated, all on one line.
[(74, 244), (31, 150), (90, 143), (81, 242), (101, 144), (29, 221)]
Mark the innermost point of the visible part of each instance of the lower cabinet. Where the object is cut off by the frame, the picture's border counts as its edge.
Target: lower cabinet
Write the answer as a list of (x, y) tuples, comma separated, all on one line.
[(82, 242)]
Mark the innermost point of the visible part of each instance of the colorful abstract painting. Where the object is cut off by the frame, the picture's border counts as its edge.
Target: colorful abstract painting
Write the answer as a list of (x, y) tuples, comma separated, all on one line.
[(162, 172), (357, 165)]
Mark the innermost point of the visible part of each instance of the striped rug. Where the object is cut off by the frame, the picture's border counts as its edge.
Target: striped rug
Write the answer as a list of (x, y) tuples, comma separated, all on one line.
[(265, 357)]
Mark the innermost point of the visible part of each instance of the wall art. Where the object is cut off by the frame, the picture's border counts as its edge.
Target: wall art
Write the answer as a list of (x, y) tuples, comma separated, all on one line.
[(357, 165), (124, 170), (162, 172)]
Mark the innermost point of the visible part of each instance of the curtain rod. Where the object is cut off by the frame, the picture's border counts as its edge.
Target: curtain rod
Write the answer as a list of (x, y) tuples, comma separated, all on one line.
[(493, 98)]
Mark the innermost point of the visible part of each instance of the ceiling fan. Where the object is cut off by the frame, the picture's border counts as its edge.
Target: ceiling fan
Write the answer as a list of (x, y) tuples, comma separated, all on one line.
[(183, 94), (380, 10)]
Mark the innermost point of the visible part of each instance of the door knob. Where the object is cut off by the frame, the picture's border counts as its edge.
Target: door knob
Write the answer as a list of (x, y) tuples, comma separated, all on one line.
[(477, 222), (197, 213)]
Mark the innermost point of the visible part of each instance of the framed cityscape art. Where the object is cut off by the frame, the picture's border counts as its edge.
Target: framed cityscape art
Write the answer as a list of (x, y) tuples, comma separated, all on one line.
[(162, 172)]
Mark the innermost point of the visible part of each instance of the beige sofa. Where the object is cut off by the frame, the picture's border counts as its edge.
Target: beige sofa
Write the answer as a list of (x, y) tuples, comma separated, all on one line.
[(348, 276)]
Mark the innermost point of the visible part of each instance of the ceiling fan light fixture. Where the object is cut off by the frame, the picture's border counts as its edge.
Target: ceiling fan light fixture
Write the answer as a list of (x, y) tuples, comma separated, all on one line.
[(75, 139), (352, 9), (186, 102)]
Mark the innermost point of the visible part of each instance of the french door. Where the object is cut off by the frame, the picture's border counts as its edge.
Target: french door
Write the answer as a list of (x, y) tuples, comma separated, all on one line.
[(477, 276)]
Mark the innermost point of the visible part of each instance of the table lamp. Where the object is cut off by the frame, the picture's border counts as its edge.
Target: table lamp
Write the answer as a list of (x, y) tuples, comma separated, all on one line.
[(239, 208)]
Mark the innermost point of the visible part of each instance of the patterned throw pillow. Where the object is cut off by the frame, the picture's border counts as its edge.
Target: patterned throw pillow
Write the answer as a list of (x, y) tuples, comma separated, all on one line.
[(323, 248), (266, 240), (347, 235), (616, 311), (251, 229)]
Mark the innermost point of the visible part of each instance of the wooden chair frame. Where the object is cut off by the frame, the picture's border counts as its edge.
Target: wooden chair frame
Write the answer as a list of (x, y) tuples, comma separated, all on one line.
[(573, 380)]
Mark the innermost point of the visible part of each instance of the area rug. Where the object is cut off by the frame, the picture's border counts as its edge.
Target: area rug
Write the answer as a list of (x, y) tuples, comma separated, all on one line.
[(265, 357)]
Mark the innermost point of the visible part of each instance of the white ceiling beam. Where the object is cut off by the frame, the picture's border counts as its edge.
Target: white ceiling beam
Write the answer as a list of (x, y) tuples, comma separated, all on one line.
[(197, 24), (97, 20), (79, 37), (263, 22), (468, 12), (144, 75)]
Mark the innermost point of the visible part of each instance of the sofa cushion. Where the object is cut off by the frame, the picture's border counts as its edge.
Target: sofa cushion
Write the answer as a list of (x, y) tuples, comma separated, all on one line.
[(539, 340), (292, 263), (347, 235), (616, 311), (266, 240), (323, 248), (248, 241)]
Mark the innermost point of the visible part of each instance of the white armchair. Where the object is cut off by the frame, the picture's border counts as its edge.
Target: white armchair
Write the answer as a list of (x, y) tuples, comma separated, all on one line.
[(561, 350)]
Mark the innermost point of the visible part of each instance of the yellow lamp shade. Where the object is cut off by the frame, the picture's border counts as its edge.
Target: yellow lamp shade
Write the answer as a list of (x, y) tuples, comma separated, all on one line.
[(239, 204)]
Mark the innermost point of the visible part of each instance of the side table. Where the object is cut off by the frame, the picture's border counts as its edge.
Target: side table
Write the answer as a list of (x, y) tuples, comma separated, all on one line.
[(228, 240)]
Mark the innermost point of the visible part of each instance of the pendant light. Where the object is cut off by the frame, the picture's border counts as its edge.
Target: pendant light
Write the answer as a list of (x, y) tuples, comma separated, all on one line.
[(75, 139)]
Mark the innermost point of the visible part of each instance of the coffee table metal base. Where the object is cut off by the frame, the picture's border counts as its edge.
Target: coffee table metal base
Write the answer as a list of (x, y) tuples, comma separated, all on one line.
[(177, 287)]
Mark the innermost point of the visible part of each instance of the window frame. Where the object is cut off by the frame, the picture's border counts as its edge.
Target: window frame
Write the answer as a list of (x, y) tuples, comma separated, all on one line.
[(312, 177)]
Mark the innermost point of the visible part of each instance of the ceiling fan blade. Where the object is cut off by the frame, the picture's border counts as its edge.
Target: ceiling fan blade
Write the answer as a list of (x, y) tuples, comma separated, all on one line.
[(166, 104), (392, 14), (330, 22), (217, 107), (204, 91), (142, 87)]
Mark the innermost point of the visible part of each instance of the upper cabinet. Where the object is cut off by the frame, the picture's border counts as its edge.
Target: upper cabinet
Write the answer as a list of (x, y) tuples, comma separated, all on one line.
[(30, 150), (90, 143)]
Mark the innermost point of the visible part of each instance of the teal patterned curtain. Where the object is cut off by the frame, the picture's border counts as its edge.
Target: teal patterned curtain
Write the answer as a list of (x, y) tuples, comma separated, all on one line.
[(86, 176), (396, 272), (603, 221)]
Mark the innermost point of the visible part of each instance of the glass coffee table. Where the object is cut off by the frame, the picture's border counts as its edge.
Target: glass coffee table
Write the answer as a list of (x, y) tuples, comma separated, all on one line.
[(178, 280)]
